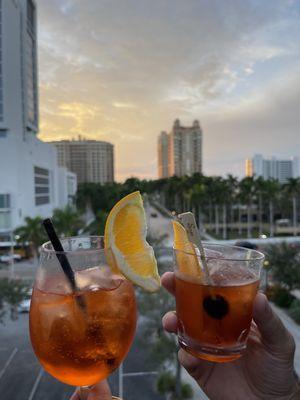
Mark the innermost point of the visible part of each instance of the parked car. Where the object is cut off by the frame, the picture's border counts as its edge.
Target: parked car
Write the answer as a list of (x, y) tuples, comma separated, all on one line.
[(24, 306), (246, 244), (6, 258)]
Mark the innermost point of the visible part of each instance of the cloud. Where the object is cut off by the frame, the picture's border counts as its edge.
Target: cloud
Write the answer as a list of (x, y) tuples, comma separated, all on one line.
[(117, 104), (124, 70)]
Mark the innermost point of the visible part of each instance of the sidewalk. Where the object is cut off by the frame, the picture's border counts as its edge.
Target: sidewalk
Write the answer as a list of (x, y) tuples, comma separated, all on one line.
[(24, 270)]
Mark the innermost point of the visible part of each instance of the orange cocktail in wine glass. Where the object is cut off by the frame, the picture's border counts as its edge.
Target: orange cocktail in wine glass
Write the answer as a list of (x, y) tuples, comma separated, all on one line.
[(80, 346), (83, 310)]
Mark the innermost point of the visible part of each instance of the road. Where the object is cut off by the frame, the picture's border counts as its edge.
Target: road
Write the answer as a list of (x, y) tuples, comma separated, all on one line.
[(24, 270), (21, 377), (159, 226)]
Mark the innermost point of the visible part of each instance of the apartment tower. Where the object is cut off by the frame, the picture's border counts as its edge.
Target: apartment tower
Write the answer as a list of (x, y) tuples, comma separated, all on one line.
[(180, 151), (90, 160)]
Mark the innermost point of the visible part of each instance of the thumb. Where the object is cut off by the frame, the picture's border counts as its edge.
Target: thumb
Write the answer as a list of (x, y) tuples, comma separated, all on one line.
[(274, 334)]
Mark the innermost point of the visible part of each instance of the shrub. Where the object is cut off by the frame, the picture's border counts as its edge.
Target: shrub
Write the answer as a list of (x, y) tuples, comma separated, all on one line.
[(295, 310), (166, 384), (186, 391), (280, 296), (285, 265)]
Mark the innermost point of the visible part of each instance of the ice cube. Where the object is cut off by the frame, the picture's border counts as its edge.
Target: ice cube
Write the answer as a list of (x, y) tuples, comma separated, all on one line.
[(97, 278)]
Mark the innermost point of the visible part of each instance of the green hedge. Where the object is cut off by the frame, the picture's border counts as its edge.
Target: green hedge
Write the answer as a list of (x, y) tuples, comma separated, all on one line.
[(280, 296)]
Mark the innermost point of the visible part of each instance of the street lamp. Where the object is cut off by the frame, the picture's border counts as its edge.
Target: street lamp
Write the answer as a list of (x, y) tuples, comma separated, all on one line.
[(266, 266), (12, 261)]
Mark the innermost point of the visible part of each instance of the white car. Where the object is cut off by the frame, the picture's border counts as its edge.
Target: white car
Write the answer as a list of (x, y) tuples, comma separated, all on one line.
[(6, 258), (24, 306)]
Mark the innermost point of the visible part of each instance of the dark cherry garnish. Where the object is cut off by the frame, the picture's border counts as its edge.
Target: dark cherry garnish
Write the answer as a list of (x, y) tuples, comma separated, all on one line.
[(216, 306), (111, 361)]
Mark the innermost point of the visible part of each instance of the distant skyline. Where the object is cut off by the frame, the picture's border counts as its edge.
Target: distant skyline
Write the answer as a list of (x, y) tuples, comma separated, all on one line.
[(123, 71)]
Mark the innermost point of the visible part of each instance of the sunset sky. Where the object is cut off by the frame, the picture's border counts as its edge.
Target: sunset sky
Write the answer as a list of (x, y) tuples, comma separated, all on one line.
[(123, 70)]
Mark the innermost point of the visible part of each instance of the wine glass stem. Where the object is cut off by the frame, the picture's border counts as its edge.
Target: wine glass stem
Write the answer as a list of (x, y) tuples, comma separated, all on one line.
[(85, 390)]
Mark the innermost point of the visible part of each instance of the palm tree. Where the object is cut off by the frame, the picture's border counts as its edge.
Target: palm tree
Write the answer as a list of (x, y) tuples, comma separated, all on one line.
[(260, 188), (271, 191), (215, 192), (32, 232), (174, 194), (246, 195), (198, 200), (232, 187), (209, 189), (293, 190), (67, 221), (227, 195)]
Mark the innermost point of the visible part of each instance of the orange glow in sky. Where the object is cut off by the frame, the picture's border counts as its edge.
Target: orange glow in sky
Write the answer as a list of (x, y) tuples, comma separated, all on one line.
[(123, 71)]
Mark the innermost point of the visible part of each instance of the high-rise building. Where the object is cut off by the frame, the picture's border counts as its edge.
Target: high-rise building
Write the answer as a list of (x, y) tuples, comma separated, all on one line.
[(90, 160), (163, 155), (18, 73), (180, 151), (272, 168), (29, 173)]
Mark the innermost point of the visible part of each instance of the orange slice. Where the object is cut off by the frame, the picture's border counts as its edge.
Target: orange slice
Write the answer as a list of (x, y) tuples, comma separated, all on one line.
[(125, 233), (186, 258)]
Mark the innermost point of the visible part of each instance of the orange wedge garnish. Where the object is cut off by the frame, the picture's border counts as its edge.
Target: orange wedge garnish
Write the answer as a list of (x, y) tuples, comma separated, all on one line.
[(125, 234)]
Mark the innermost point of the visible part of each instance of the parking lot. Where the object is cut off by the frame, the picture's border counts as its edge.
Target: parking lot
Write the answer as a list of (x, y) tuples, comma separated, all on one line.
[(22, 378)]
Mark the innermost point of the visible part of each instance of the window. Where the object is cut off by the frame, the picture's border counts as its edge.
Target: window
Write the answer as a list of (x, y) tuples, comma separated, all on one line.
[(39, 180), (3, 133), (30, 15), (4, 201), (41, 186), (1, 59), (30, 59), (4, 211), (4, 220), (42, 200)]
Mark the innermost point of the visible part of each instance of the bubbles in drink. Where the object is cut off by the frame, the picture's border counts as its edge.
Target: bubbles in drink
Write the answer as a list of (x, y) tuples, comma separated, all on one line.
[(225, 275), (81, 347), (97, 277)]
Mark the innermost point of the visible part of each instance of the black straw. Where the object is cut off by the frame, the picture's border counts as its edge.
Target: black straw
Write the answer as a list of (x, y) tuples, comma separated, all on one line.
[(62, 258), (57, 246)]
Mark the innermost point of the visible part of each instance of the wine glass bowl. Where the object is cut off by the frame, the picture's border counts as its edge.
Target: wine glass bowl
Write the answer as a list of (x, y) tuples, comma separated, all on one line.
[(81, 337)]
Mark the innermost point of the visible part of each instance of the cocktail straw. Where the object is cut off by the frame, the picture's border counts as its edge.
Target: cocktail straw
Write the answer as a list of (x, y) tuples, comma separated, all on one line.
[(188, 221), (62, 258)]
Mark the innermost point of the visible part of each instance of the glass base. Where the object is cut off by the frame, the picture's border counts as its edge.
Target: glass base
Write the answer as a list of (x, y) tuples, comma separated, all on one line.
[(210, 353), (85, 390)]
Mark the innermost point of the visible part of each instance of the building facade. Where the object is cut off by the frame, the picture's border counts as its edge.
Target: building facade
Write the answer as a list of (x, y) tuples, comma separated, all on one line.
[(273, 168), (180, 151), (90, 160), (163, 155), (67, 183), (29, 184)]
